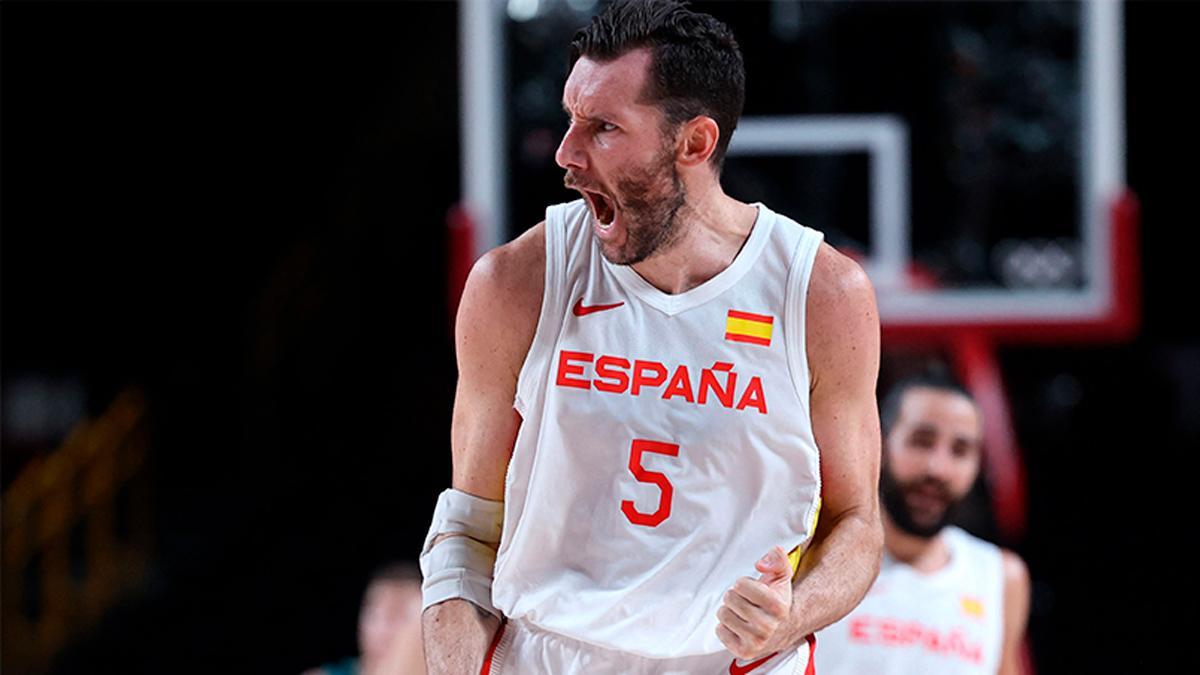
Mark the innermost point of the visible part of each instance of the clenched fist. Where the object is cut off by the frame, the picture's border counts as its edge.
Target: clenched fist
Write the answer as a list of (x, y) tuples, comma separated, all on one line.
[(754, 613)]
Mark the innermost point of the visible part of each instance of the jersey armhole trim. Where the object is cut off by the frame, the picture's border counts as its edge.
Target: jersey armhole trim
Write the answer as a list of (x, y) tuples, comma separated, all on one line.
[(795, 346), (796, 307), (549, 317)]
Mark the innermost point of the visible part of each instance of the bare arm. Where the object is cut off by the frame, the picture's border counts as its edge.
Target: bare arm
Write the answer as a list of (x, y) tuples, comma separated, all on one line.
[(776, 611), (495, 326), (1016, 613), (843, 355)]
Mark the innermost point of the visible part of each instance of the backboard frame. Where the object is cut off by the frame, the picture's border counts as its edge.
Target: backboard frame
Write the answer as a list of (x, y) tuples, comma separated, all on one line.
[(1105, 307)]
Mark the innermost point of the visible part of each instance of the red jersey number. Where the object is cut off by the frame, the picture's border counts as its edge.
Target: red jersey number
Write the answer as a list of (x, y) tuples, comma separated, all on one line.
[(643, 476)]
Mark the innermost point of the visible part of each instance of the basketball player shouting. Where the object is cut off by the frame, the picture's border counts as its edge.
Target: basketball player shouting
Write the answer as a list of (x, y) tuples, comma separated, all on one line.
[(675, 359), (945, 602)]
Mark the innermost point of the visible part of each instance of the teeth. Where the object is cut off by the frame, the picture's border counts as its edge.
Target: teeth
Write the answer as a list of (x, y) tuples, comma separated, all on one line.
[(603, 209)]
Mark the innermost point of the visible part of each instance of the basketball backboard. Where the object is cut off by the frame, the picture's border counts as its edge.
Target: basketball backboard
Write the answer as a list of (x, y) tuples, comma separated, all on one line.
[(970, 154)]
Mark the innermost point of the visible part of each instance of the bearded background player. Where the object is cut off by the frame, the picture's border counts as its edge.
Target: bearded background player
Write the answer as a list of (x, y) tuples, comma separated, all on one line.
[(645, 379), (945, 601)]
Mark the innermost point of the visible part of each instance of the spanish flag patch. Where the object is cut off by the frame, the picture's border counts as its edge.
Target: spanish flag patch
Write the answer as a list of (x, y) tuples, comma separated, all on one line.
[(747, 327), (972, 606)]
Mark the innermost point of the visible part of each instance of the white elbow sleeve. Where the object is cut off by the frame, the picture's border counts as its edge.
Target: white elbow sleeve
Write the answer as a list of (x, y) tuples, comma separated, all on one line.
[(461, 565)]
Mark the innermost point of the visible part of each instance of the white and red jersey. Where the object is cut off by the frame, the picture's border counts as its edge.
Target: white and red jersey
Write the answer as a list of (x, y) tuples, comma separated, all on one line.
[(666, 442), (949, 621)]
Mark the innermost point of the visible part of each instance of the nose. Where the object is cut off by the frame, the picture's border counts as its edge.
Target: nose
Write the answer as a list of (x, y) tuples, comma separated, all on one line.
[(569, 154), (940, 463)]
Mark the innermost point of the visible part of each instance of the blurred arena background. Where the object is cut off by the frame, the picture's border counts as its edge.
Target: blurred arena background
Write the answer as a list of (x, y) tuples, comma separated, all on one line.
[(233, 236)]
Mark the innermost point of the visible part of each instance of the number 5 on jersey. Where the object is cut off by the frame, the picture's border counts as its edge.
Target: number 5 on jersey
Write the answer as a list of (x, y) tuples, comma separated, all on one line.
[(639, 447)]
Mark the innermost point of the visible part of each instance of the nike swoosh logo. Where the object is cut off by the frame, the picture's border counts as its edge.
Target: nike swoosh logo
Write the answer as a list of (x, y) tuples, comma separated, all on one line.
[(580, 310), (735, 669)]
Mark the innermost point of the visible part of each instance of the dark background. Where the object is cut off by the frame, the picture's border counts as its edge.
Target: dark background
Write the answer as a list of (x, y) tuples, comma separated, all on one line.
[(240, 208)]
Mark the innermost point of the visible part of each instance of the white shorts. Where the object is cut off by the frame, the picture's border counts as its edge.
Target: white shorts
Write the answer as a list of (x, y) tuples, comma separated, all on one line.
[(522, 649)]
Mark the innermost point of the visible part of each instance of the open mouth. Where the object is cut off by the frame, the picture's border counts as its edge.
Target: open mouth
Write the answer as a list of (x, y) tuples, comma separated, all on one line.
[(602, 207)]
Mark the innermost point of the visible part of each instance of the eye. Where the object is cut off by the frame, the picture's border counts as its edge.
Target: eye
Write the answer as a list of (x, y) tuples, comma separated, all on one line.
[(923, 441), (605, 126)]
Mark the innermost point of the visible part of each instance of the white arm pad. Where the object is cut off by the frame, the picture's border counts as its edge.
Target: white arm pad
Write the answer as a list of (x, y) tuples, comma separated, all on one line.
[(461, 566)]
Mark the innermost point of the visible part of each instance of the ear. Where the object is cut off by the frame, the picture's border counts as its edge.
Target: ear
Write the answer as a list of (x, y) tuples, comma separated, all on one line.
[(697, 140)]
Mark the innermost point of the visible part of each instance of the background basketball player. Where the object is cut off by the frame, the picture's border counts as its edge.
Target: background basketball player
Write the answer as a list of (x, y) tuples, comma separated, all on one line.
[(945, 601), (389, 626)]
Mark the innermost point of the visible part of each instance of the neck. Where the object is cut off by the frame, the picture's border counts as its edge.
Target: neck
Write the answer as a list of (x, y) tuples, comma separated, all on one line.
[(924, 555), (714, 228)]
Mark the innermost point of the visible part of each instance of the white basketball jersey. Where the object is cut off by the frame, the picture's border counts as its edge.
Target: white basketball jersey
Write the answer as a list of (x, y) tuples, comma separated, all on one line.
[(950, 621), (666, 443)]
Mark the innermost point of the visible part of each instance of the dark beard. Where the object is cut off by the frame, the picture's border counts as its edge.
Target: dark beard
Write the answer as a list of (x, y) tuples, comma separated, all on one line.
[(653, 207), (891, 494)]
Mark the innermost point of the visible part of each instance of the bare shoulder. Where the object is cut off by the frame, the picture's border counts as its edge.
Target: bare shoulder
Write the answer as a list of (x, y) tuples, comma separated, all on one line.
[(1016, 574), (842, 321), (514, 271), (502, 300), (836, 280)]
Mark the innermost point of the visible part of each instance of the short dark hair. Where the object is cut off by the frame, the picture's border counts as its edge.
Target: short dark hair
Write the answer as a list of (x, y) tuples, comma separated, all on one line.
[(932, 378), (695, 68), (398, 571)]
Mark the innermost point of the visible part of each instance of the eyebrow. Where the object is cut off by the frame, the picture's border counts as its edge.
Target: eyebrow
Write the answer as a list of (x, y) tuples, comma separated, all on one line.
[(598, 116), (570, 114)]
